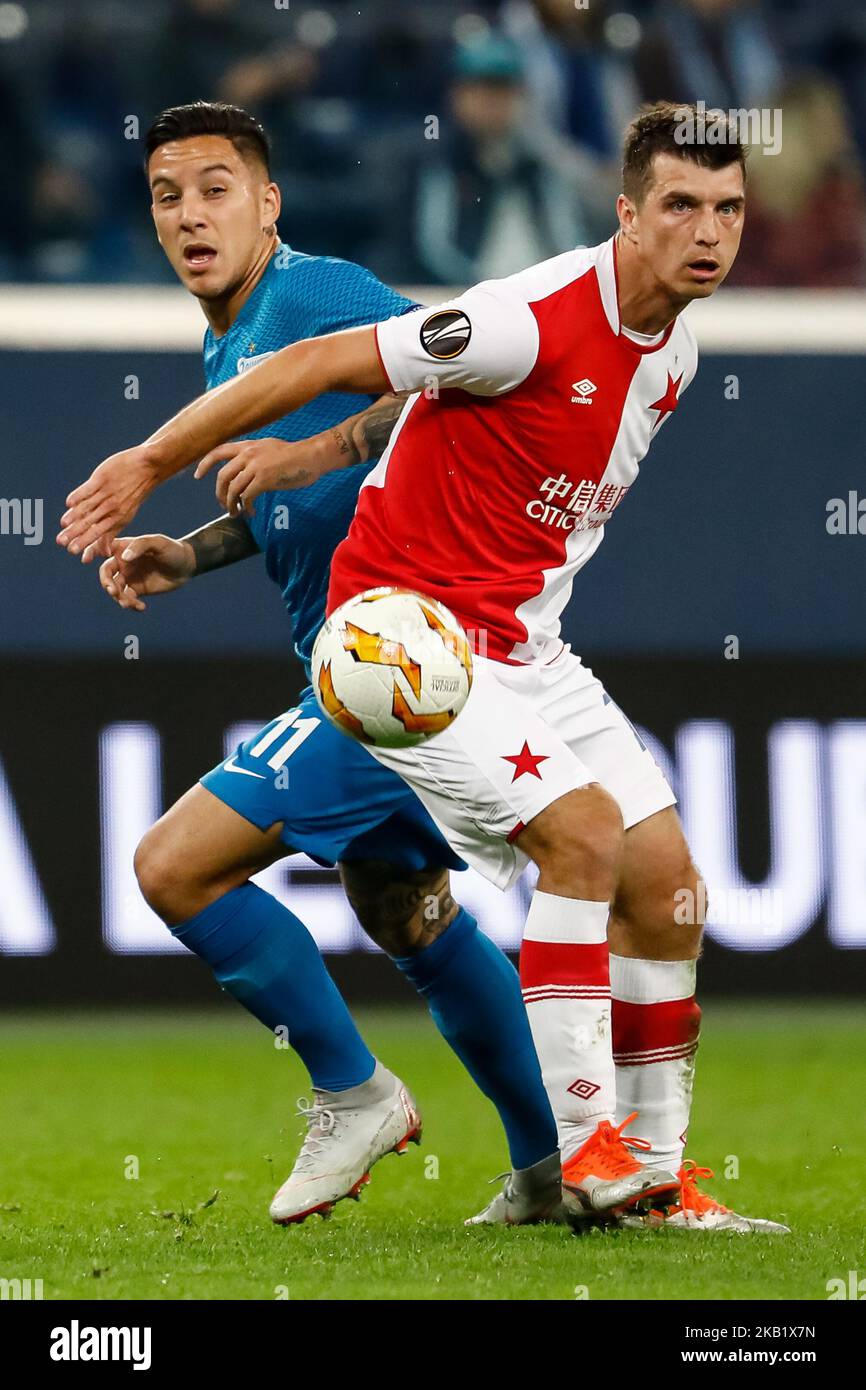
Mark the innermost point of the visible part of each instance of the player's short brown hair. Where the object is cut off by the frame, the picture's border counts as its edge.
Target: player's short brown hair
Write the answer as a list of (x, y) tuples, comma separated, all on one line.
[(706, 137), (210, 118)]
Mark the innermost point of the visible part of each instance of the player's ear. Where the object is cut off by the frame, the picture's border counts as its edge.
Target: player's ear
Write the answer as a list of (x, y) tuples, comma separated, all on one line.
[(627, 214), (271, 205)]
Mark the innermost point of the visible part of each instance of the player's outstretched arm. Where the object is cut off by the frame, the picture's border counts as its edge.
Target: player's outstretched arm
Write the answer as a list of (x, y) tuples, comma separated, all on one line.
[(110, 498), (253, 466), (144, 565)]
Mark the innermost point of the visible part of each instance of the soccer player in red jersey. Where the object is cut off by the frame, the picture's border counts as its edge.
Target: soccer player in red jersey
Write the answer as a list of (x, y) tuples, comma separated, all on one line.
[(534, 399)]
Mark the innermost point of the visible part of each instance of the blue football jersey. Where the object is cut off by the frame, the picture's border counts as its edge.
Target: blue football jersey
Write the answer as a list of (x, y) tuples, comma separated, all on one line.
[(302, 296)]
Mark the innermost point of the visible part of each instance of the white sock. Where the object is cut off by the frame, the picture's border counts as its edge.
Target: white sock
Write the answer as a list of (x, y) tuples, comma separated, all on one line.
[(656, 1022), (566, 985)]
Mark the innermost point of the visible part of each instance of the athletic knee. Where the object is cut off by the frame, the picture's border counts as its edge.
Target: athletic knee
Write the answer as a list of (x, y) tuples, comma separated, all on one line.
[(666, 920), (165, 883), (577, 843), (691, 904)]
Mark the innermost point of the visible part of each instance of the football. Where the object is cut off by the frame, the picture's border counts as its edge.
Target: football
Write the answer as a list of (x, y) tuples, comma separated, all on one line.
[(392, 667)]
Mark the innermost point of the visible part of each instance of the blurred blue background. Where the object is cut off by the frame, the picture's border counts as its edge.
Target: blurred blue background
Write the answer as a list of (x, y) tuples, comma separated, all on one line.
[(725, 533), (528, 100), (439, 144)]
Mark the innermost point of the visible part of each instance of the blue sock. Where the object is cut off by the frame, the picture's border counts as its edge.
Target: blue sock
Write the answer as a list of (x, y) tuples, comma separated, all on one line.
[(263, 955), (473, 994)]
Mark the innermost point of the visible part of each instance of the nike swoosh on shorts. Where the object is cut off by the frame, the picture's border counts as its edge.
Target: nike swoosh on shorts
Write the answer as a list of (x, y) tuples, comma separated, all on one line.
[(229, 766)]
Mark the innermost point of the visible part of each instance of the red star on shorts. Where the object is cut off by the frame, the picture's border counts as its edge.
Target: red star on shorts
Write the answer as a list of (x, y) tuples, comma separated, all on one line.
[(524, 761), (667, 403)]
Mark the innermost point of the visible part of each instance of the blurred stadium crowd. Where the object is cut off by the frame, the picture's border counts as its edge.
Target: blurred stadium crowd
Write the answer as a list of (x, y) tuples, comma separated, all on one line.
[(436, 142)]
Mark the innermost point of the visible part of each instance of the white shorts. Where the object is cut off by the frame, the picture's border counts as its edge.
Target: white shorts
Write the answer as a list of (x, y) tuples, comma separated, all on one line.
[(526, 736)]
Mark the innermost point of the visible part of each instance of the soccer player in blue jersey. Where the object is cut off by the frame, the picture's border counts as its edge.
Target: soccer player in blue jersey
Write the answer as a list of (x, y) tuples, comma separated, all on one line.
[(215, 209)]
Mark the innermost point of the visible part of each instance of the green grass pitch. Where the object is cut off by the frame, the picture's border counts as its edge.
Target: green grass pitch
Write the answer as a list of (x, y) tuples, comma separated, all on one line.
[(203, 1104)]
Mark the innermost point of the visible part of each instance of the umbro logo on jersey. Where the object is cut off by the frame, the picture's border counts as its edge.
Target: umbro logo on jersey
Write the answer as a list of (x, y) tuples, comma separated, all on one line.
[(446, 334), (584, 389), (244, 363)]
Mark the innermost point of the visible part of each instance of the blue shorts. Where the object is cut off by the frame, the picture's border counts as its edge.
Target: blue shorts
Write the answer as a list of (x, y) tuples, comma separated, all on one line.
[(334, 799)]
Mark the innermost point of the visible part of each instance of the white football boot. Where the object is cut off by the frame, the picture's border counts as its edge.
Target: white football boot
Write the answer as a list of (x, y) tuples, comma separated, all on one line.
[(698, 1211), (347, 1132), (529, 1196)]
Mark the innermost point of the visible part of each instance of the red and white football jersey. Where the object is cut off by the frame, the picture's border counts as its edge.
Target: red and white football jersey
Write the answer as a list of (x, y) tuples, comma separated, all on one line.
[(533, 411)]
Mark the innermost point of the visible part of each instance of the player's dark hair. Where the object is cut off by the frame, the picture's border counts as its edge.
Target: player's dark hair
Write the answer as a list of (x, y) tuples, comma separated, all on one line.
[(687, 131), (210, 118)]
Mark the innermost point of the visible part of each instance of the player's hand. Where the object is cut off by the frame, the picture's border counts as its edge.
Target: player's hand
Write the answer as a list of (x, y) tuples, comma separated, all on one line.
[(141, 565), (107, 502), (253, 466)]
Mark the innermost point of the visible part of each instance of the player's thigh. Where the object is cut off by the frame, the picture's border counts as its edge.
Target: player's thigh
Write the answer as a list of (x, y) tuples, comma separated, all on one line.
[(199, 849), (657, 910), (575, 703), (401, 910), (322, 787), (576, 843), (491, 773)]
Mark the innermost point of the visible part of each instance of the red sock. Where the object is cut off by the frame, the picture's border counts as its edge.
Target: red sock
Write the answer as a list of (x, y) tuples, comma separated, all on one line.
[(656, 1021), (566, 986)]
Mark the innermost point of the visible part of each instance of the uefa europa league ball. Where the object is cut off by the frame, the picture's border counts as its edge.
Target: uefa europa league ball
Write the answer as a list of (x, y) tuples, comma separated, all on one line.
[(392, 667)]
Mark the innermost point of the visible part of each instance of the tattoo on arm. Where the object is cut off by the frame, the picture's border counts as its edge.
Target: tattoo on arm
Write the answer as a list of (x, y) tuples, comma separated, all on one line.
[(376, 425), (221, 542), (364, 436), (346, 444)]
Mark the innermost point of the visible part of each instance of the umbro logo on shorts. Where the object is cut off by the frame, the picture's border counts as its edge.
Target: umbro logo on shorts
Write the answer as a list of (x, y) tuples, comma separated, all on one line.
[(584, 389), (446, 334)]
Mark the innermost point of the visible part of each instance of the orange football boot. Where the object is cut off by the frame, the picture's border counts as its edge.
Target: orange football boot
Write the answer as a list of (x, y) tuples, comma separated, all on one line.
[(698, 1211), (605, 1177)]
